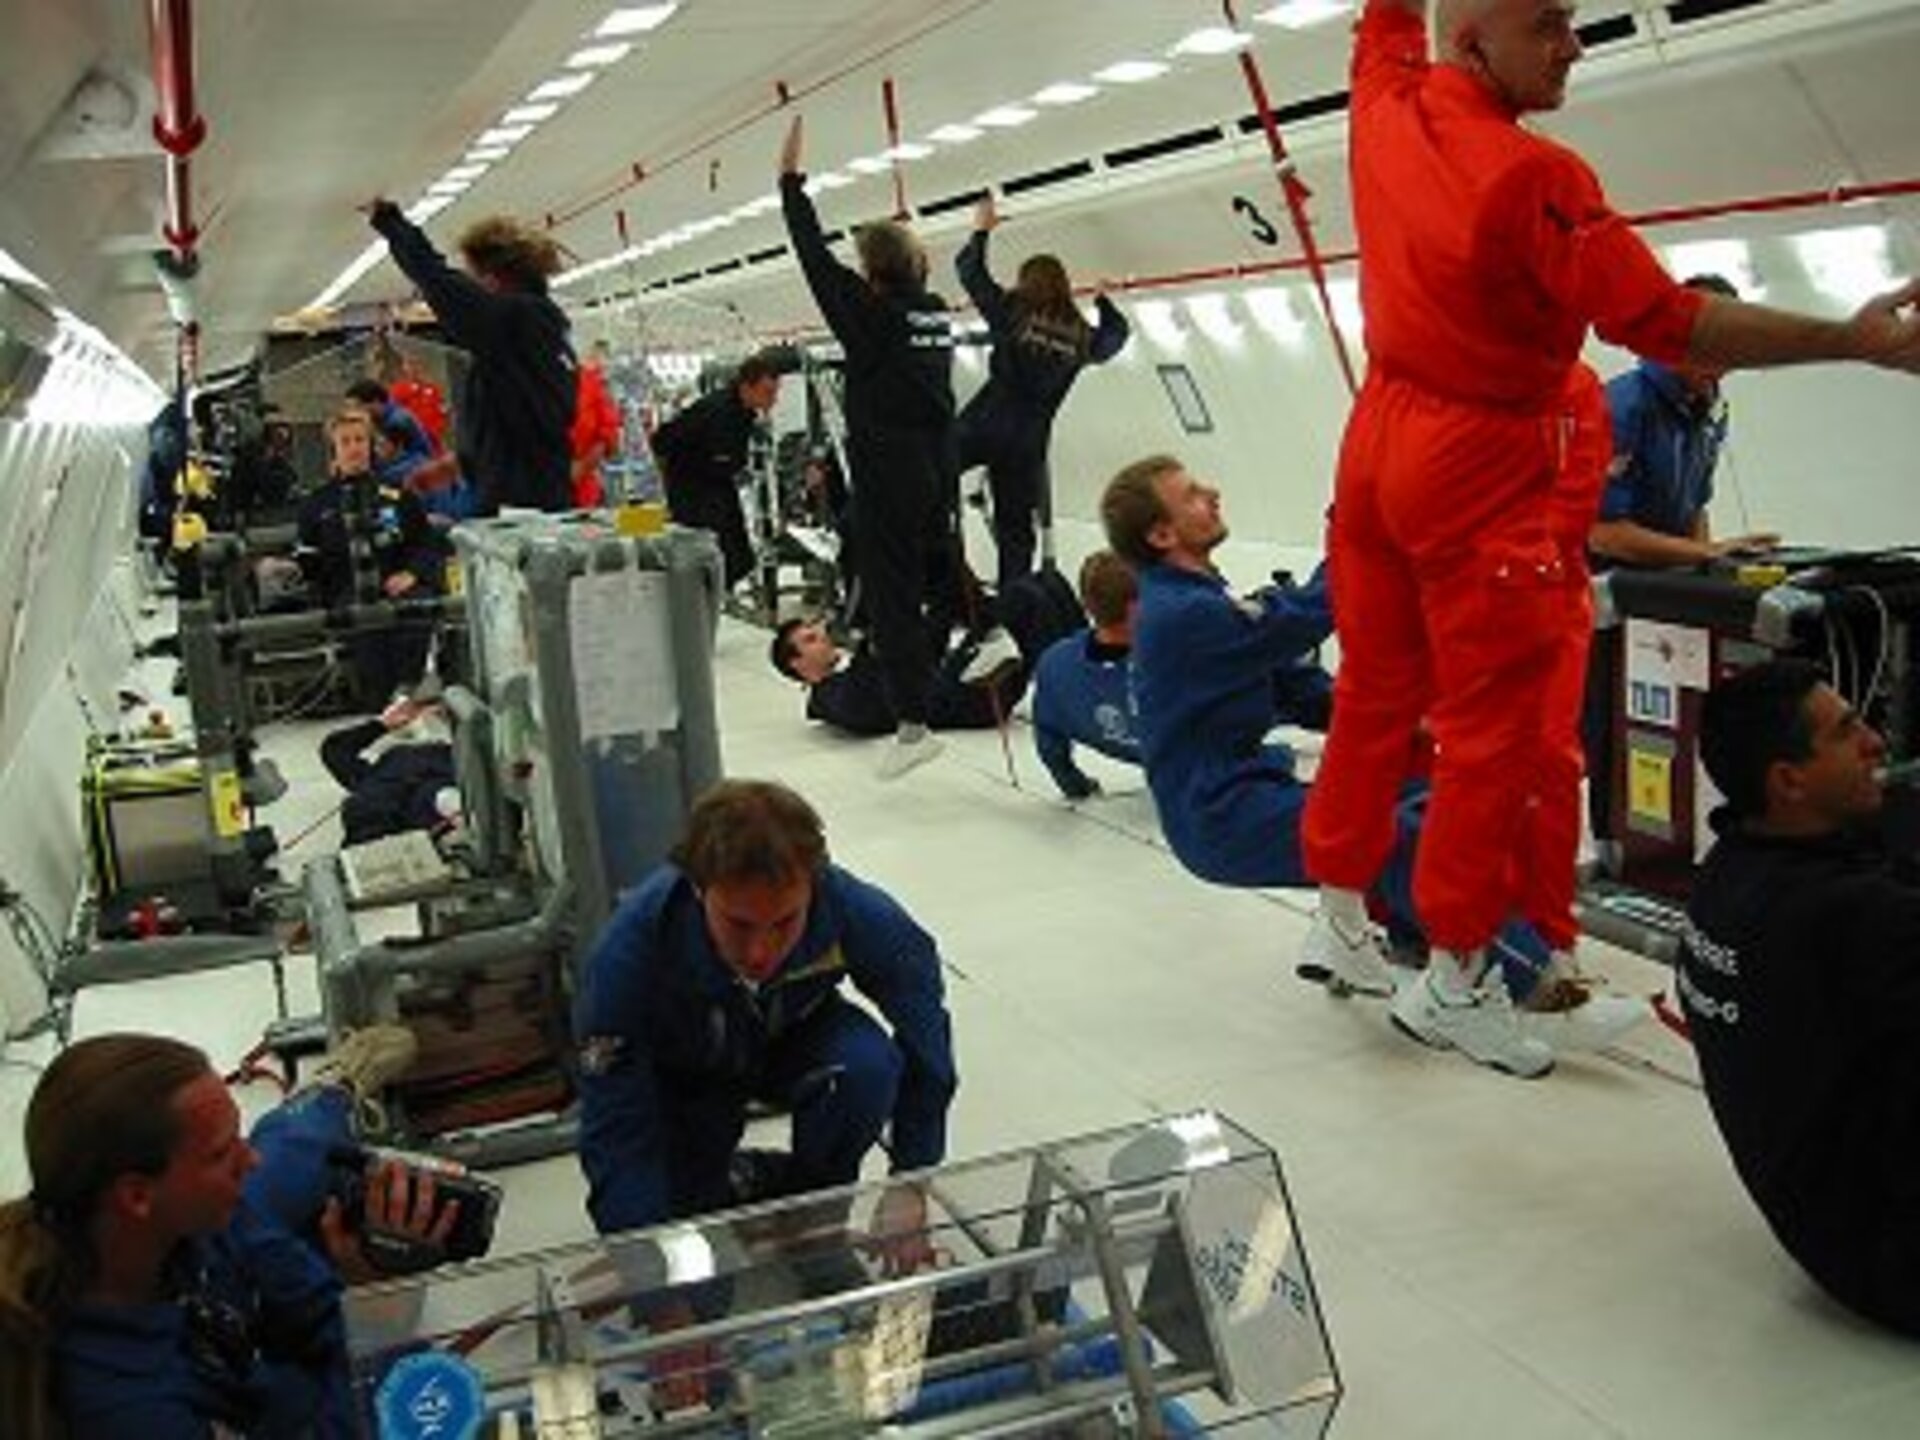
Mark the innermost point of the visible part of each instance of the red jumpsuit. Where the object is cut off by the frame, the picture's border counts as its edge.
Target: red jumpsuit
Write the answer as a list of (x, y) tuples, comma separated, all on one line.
[(1458, 572), (595, 434)]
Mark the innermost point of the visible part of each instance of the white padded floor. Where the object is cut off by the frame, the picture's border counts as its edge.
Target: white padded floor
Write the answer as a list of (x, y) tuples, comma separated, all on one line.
[(1563, 1258)]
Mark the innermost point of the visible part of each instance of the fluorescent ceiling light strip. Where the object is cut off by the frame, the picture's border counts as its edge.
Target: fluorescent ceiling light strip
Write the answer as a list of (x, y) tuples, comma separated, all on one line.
[(488, 153), (1304, 14), (956, 134), (1005, 117), (1212, 40), (830, 180), (1132, 72), (503, 135), (349, 277), (868, 165), (562, 86), (468, 173), (1066, 92), (911, 150), (530, 114), (633, 20), (592, 57)]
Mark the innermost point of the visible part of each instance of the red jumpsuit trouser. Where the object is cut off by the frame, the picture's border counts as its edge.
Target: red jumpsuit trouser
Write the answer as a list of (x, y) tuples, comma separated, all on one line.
[(1460, 600)]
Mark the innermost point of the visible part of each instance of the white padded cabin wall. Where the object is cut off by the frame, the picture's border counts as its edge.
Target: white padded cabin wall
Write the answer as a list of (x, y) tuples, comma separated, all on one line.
[(67, 500)]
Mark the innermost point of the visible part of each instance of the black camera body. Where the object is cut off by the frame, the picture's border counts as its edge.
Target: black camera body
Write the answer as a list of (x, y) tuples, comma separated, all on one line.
[(471, 1237)]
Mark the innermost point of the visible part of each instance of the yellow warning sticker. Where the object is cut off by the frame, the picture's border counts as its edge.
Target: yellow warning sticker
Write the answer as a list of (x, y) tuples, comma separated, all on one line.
[(1650, 786), (229, 807)]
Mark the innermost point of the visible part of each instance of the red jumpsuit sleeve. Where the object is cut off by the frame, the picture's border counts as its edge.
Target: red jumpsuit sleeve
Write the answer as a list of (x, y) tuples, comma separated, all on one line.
[(1589, 260), (1389, 52)]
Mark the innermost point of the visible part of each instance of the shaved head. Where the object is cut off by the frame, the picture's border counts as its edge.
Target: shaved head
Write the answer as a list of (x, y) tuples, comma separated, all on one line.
[(1522, 50)]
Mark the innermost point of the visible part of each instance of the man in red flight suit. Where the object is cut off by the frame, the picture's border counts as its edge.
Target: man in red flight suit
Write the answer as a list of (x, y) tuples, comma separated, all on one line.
[(1486, 254)]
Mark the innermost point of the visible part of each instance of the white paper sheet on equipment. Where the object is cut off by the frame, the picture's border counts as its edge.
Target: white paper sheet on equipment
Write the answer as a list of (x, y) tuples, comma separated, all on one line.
[(622, 654)]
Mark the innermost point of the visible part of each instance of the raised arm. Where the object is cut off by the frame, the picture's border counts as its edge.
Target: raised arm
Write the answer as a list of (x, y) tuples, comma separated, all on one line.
[(841, 294), (466, 310), (975, 278)]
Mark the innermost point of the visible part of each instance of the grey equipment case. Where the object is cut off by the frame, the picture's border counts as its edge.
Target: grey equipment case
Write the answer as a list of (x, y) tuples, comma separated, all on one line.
[(587, 732)]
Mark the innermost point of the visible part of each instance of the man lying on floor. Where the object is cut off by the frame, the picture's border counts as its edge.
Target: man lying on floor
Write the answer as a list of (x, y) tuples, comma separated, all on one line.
[(1229, 801), (975, 686)]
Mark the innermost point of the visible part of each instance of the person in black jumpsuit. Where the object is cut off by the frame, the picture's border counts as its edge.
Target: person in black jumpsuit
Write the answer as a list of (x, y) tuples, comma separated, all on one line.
[(516, 407), (898, 342), (1799, 973), (702, 452), (1041, 342)]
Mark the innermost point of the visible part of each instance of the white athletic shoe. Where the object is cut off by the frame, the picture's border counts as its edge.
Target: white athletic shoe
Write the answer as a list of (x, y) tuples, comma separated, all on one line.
[(1571, 1015), (1345, 964), (995, 652), (900, 756), (1481, 1024)]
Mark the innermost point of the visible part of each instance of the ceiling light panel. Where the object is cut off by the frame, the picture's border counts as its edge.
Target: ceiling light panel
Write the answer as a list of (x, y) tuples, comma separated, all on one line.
[(503, 135), (869, 165), (467, 172), (1131, 72), (487, 153), (593, 57), (530, 114), (909, 151), (1852, 265), (1006, 117), (562, 86), (633, 20), (956, 134), (1212, 40), (1066, 92), (1304, 14)]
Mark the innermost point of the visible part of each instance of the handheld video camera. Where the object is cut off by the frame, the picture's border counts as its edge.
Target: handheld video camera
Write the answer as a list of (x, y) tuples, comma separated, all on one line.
[(351, 1166)]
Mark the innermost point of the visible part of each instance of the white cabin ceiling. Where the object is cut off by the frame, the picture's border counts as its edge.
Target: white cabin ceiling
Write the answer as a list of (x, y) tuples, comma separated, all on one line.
[(313, 108)]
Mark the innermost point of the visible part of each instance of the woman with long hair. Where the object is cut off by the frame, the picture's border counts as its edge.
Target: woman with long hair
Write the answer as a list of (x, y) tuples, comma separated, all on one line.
[(164, 1277), (1041, 343)]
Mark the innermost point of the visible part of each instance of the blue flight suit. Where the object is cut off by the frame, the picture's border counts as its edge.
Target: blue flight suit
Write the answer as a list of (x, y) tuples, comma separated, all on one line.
[(673, 1044), (1665, 447), (1082, 694), (1229, 802), (250, 1336)]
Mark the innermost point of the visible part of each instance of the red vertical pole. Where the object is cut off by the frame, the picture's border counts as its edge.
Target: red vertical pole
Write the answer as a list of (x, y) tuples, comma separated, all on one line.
[(891, 102), (1294, 190)]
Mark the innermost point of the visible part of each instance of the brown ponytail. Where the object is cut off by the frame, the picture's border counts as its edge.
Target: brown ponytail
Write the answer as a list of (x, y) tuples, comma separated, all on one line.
[(104, 1107)]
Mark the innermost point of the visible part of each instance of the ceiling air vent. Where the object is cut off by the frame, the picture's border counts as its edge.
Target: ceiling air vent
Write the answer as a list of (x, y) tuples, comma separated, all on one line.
[(948, 203), (1159, 149), (1312, 108), (1040, 179), (1606, 32), (761, 257), (1685, 12)]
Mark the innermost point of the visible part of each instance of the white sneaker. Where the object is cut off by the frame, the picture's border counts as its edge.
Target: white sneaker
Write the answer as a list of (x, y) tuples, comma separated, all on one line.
[(904, 755), (1345, 964), (1481, 1024), (365, 1062), (1571, 1015), (995, 652)]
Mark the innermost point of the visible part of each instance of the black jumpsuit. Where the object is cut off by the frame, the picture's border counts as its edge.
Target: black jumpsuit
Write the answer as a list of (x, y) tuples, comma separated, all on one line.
[(899, 405)]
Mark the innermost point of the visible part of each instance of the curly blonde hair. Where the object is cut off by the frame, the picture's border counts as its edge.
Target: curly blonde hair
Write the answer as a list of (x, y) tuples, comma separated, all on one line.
[(512, 251)]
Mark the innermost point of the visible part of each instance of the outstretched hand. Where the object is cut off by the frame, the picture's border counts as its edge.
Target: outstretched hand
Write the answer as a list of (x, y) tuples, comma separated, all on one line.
[(790, 148), (985, 214), (367, 207), (1887, 329)]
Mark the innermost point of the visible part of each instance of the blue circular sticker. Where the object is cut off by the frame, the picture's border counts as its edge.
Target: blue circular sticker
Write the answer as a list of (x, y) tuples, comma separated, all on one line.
[(430, 1396)]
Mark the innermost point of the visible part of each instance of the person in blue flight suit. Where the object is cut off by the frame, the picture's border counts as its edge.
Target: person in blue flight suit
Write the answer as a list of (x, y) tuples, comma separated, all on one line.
[(170, 1279), (1082, 687), (1669, 426), (717, 983), (410, 445), (1229, 800), (1041, 343)]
